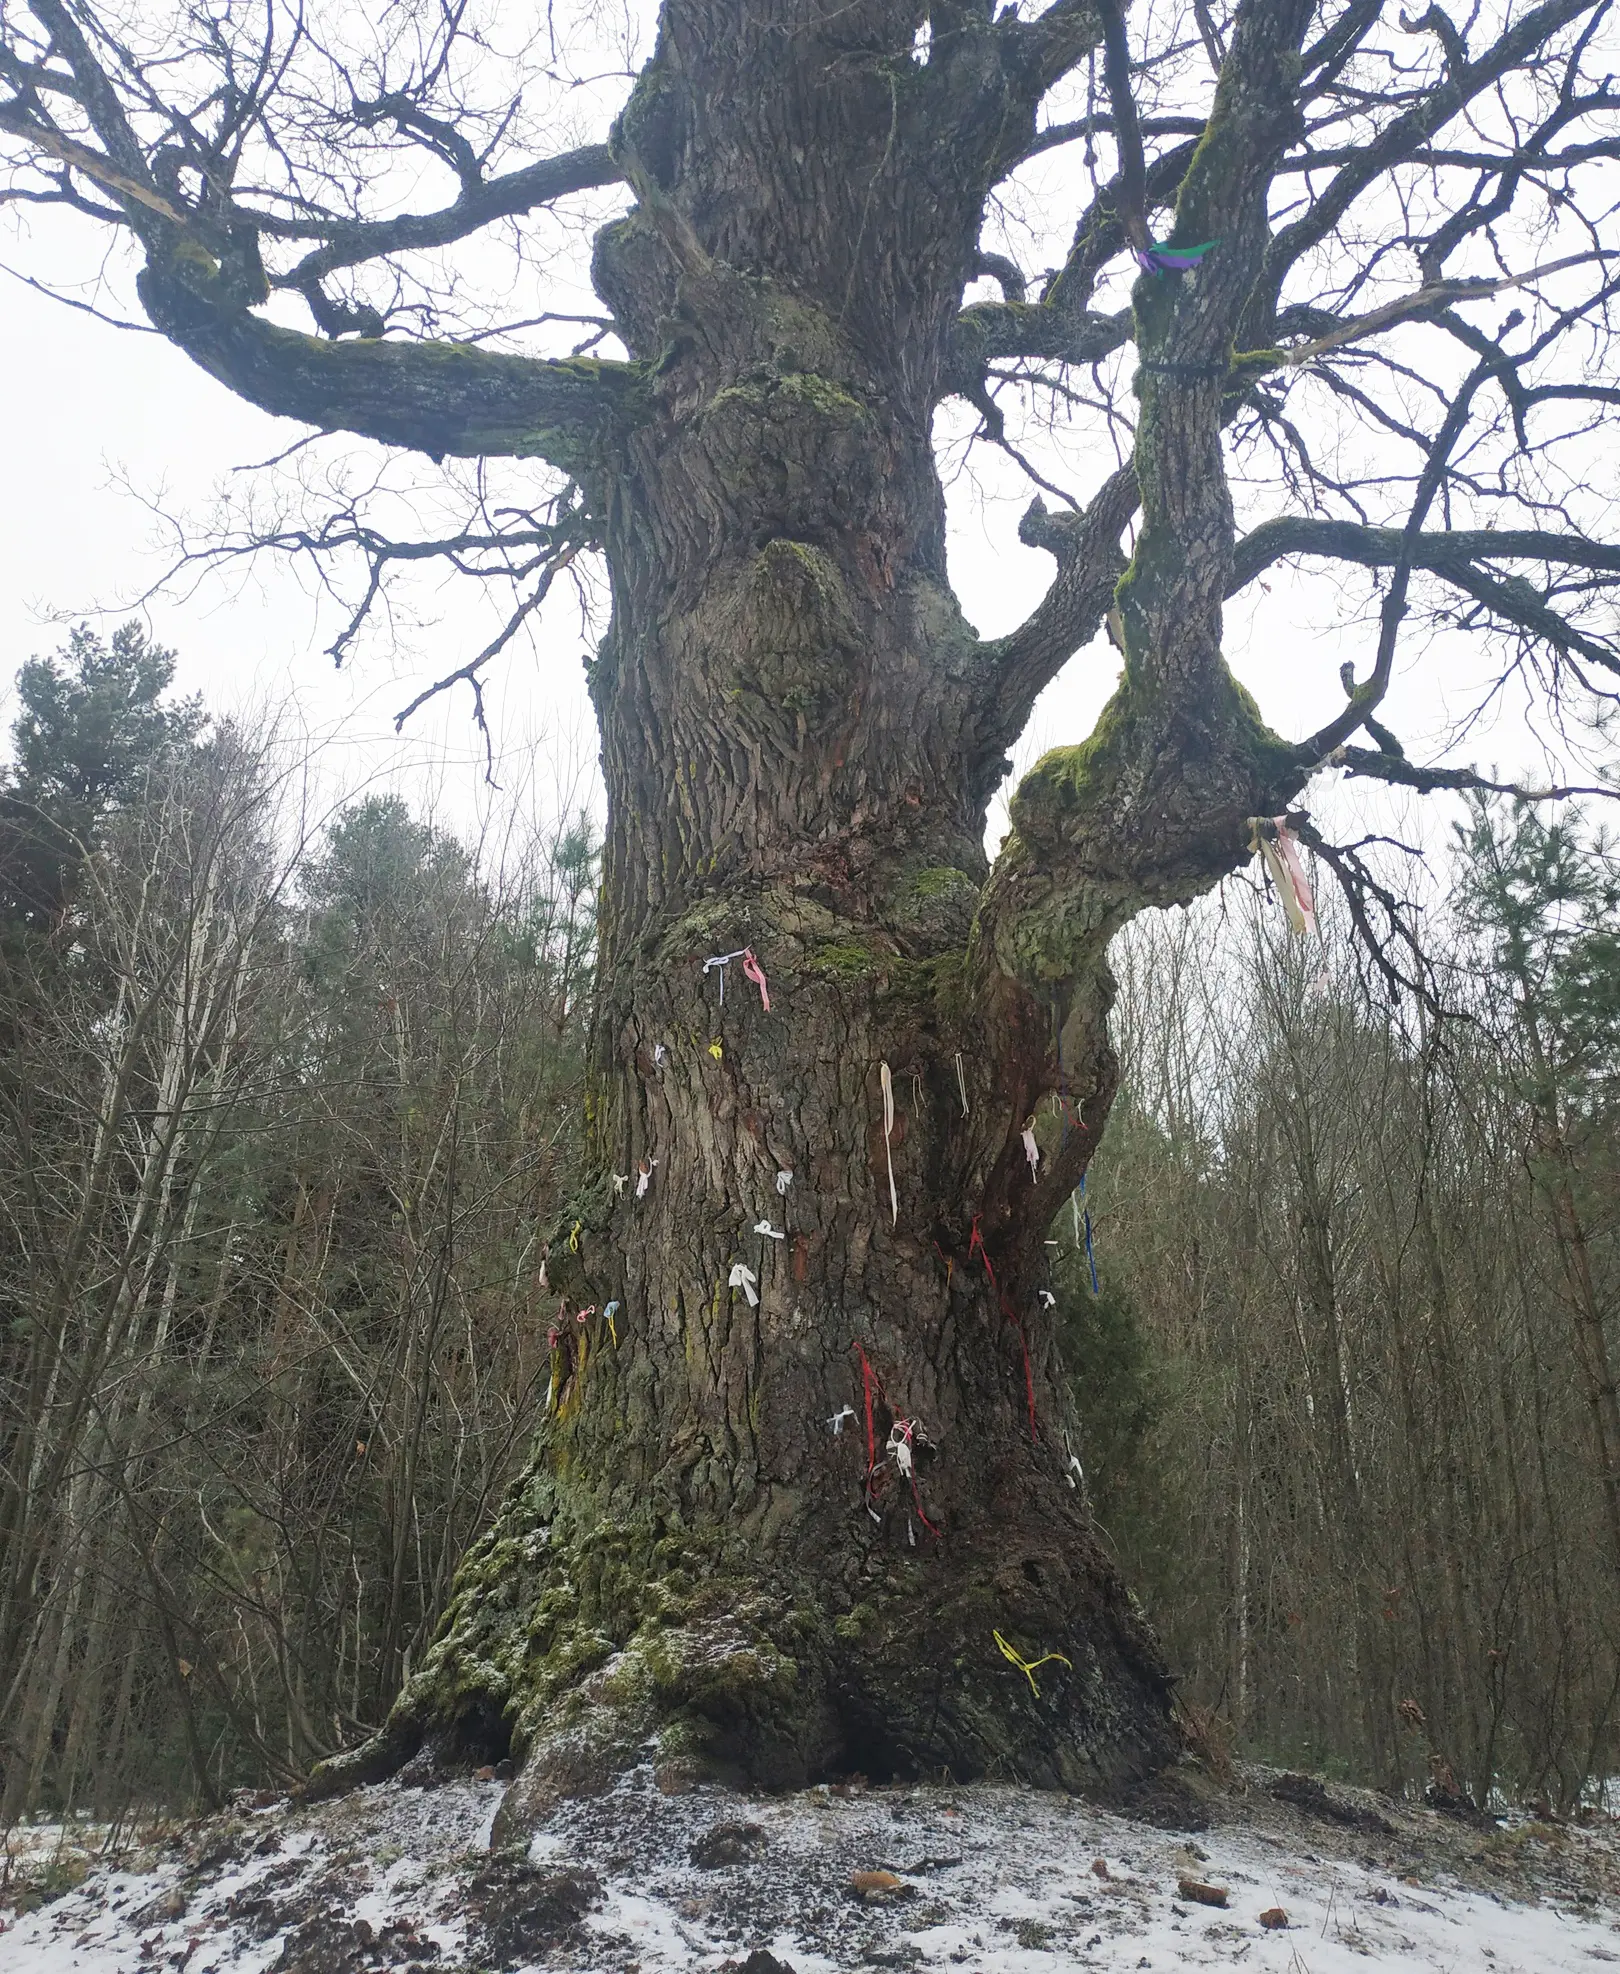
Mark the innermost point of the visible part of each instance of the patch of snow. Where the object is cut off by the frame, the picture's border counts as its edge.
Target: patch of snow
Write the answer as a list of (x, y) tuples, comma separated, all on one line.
[(992, 1878)]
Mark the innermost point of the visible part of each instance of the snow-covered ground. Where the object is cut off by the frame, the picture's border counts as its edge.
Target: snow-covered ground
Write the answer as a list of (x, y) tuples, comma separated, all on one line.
[(993, 1878)]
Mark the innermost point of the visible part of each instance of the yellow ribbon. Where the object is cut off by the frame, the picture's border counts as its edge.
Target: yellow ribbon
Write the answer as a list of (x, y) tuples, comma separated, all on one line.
[(716, 1051), (1028, 1667), (573, 1238)]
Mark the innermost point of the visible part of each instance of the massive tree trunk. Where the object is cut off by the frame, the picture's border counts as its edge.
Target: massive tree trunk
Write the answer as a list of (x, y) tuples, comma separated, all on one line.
[(717, 1552), (829, 1529)]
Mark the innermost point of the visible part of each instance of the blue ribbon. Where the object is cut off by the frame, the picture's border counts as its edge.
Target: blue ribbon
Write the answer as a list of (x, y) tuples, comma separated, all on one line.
[(1091, 1259)]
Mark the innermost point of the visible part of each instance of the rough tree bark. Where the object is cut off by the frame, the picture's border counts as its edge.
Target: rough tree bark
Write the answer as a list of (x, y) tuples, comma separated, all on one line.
[(800, 737), (714, 1554)]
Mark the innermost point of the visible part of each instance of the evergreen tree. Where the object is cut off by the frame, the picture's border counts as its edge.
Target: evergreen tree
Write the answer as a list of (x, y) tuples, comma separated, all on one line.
[(92, 724)]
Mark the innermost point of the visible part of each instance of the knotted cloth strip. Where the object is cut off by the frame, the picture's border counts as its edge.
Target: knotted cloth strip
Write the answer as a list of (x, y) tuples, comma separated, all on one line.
[(1029, 1667)]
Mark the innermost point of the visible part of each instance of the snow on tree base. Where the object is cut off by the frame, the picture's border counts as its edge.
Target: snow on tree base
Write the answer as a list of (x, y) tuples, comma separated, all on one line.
[(991, 1877)]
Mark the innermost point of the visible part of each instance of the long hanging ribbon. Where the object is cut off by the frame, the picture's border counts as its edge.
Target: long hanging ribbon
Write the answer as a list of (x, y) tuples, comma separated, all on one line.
[(1091, 1259), (867, 1380), (961, 1082), (866, 1394), (1280, 854), (722, 960), (1029, 1667), (888, 1132), (1299, 883), (901, 1434)]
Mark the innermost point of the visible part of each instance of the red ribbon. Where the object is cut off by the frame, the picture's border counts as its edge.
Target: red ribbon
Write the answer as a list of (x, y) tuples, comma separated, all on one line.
[(869, 1379), (866, 1385)]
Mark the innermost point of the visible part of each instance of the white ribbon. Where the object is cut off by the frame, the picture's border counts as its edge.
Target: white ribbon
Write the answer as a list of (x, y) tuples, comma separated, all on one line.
[(900, 1446), (744, 1278), (771, 1233), (838, 1418), (659, 1053), (1032, 1151), (961, 1082), (1048, 1298), (722, 960), (644, 1176), (888, 1130), (620, 1181), (784, 1179)]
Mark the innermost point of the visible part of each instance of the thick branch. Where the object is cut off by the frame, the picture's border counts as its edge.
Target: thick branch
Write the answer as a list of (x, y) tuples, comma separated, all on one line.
[(1132, 199), (437, 398), (1446, 553), (1050, 45), (1456, 556), (79, 157)]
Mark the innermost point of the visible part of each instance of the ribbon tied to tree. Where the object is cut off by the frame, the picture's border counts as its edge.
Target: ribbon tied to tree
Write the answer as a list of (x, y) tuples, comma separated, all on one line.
[(1278, 848)]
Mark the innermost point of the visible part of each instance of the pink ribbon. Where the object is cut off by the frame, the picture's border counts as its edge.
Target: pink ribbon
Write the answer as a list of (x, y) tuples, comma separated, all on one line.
[(752, 968), (1288, 845)]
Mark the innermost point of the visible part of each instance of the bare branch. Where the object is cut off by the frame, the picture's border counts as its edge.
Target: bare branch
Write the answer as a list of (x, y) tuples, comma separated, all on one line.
[(1365, 698), (1402, 773), (347, 243), (468, 674)]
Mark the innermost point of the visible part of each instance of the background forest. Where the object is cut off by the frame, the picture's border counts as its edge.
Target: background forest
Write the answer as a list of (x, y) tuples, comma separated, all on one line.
[(285, 1102)]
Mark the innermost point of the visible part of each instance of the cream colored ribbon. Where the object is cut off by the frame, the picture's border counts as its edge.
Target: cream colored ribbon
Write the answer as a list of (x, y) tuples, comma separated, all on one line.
[(888, 1133)]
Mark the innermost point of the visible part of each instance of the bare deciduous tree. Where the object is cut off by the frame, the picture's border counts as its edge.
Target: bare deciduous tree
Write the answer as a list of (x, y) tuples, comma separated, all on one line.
[(801, 733)]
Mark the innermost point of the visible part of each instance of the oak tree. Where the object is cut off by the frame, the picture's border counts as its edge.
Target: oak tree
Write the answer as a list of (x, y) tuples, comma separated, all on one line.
[(805, 1496)]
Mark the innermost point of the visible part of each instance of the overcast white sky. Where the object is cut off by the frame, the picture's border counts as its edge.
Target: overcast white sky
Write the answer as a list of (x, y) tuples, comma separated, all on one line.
[(92, 412)]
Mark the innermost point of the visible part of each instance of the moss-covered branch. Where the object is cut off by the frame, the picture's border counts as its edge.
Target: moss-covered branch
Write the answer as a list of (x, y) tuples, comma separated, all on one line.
[(437, 398)]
